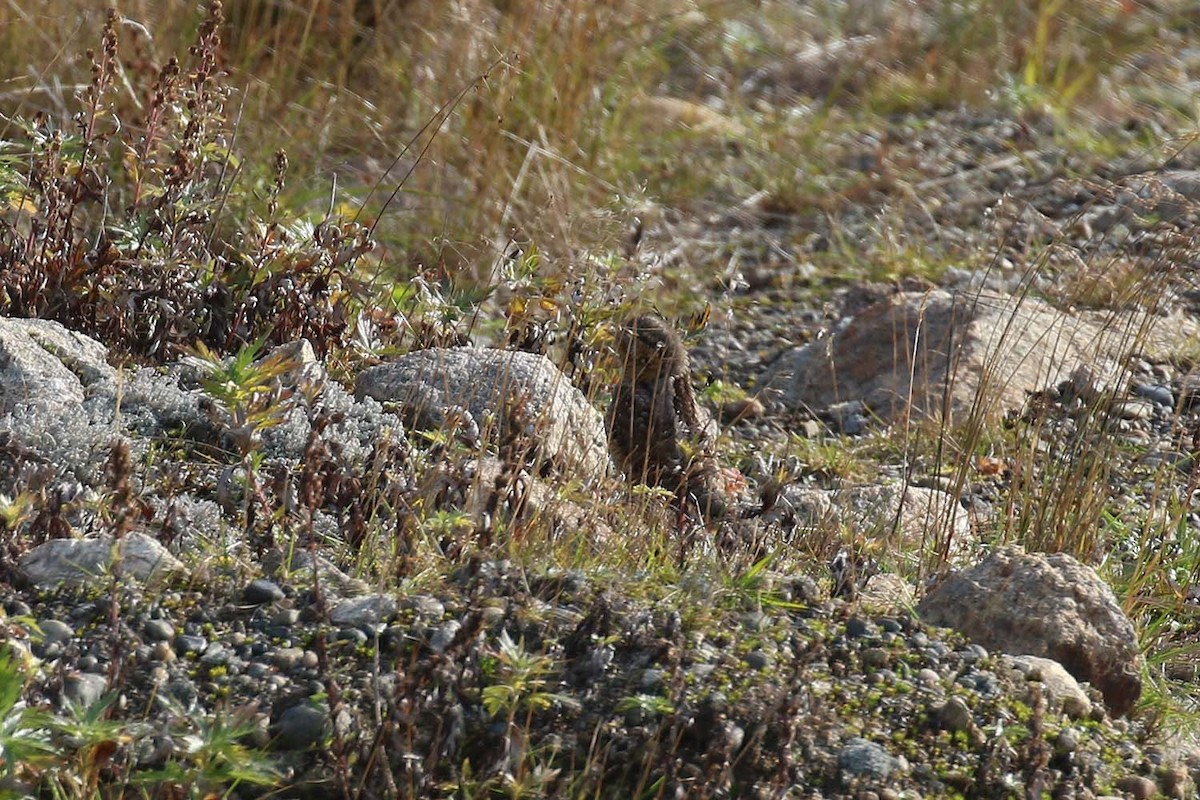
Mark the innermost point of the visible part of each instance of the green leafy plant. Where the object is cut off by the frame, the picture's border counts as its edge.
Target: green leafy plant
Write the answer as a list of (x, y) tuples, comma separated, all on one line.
[(26, 746), (209, 755), (519, 683)]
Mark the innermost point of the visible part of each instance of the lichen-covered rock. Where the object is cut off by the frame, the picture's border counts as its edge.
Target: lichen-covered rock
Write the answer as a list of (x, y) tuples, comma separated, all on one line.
[(1044, 605), (498, 394), (44, 364), (76, 562)]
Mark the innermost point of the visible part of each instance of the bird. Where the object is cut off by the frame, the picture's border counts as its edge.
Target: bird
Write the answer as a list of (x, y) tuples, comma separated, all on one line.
[(657, 433)]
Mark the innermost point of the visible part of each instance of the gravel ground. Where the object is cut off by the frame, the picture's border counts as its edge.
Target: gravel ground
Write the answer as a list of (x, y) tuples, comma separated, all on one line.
[(767, 691)]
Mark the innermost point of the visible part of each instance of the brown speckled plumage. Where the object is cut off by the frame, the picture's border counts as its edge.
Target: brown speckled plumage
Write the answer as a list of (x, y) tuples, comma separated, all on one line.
[(654, 410)]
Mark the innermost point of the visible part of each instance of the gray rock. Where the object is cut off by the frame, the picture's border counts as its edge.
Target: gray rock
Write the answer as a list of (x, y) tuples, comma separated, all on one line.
[(364, 612), (78, 562), (1044, 605), (298, 567), (299, 728), (185, 643), (932, 354), (1155, 393), (860, 757), (523, 393), (56, 631), (444, 635), (158, 630), (84, 689), (262, 591), (1060, 686), (44, 364), (425, 607), (955, 716)]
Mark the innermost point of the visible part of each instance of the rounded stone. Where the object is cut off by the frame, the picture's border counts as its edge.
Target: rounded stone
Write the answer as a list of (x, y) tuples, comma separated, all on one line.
[(299, 728), (875, 657), (862, 757), (1067, 741), (262, 591), (1138, 787), (955, 715), (158, 630), (185, 643), (757, 659), (56, 631), (84, 689)]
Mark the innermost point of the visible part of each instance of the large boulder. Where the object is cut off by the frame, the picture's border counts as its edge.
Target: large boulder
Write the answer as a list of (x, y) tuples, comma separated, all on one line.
[(1049, 606), (498, 395), (934, 354)]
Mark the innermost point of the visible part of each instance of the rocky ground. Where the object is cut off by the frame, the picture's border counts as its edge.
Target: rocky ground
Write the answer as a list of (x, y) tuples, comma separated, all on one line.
[(940, 344)]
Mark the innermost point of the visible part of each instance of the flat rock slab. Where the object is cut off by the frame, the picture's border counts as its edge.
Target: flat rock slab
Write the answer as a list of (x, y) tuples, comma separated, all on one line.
[(43, 363), (506, 394), (1050, 606), (933, 354), (77, 562)]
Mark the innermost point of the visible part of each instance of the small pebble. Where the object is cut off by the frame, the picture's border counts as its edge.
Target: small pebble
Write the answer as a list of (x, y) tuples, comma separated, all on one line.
[(56, 631), (444, 635), (185, 643), (874, 657), (84, 689), (1067, 741), (1159, 395), (756, 659), (954, 715), (299, 728), (159, 630), (261, 591), (286, 617)]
